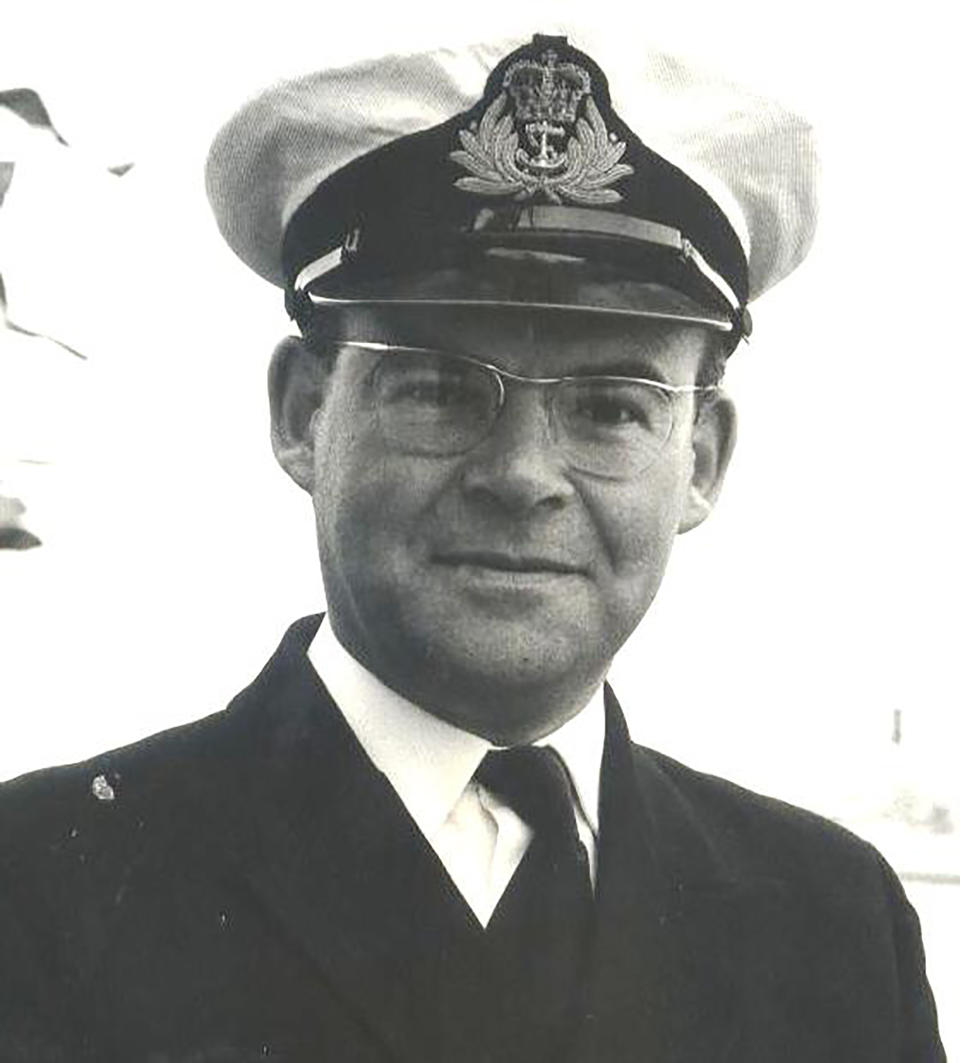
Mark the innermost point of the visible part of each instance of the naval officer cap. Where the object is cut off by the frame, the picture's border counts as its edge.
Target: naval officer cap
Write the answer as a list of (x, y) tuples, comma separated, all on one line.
[(405, 180)]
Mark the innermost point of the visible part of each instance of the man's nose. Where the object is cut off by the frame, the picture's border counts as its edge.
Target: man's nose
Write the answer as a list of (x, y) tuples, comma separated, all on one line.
[(519, 465)]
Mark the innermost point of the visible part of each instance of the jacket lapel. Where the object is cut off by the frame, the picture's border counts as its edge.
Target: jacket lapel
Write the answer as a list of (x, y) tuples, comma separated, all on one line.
[(333, 855), (666, 982)]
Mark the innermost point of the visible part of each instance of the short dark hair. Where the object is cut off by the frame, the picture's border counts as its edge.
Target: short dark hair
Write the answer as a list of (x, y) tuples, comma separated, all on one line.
[(714, 362), (320, 333), (712, 367)]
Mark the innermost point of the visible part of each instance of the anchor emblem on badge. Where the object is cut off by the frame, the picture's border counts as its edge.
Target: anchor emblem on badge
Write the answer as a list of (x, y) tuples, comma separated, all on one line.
[(554, 152)]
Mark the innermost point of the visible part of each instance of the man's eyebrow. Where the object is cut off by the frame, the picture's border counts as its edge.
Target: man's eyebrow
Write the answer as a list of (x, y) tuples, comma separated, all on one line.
[(632, 367)]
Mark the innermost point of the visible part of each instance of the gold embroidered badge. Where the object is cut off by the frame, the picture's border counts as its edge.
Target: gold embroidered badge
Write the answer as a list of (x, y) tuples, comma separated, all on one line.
[(560, 155)]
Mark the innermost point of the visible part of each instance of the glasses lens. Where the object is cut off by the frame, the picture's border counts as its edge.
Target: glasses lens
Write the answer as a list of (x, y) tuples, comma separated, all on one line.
[(434, 403), (613, 427)]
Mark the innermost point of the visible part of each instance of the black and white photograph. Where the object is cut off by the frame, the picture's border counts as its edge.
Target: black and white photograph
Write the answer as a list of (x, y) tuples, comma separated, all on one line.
[(478, 564)]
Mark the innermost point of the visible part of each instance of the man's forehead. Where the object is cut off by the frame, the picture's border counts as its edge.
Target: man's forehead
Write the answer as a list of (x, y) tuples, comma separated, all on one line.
[(532, 341)]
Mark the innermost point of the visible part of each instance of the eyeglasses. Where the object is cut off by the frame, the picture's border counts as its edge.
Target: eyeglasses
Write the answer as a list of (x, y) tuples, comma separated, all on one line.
[(435, 403)]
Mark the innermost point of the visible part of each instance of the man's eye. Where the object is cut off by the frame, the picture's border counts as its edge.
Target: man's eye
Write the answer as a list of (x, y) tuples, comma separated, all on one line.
[(611, 411), (608, 411), (432, 390)]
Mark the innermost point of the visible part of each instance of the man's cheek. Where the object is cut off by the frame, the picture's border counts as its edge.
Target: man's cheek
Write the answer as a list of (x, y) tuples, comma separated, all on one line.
[(635, 523), (376, 515)]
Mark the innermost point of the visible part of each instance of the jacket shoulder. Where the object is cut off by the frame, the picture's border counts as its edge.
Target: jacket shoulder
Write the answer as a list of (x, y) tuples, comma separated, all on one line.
[(169, 773), (759, 836), (58, 819), (830, 882)]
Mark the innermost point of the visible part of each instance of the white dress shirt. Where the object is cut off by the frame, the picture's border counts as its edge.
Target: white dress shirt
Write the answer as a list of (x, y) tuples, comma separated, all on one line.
[(430, 763)]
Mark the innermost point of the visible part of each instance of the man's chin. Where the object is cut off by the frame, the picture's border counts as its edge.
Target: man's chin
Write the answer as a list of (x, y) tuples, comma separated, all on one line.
[(508, 660)]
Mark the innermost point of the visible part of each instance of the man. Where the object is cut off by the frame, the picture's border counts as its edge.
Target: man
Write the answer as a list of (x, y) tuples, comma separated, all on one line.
[(423, 833)]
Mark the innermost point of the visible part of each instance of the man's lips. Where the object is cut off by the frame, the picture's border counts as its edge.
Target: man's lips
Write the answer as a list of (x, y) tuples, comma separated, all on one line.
[(509, 562)]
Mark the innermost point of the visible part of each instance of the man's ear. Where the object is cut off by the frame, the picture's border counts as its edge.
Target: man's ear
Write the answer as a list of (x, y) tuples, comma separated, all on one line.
[(714, 436), (297, 381)]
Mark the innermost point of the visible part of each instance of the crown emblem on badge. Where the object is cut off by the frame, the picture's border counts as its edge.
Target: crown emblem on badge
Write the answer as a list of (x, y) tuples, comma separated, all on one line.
[(530, 139)]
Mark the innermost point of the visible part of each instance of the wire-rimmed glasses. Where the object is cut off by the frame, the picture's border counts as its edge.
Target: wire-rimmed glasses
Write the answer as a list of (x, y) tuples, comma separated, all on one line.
[(434, 402)]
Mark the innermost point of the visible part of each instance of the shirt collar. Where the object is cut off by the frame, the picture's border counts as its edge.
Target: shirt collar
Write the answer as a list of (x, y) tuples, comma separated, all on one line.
[(579, 742), (428, 761)]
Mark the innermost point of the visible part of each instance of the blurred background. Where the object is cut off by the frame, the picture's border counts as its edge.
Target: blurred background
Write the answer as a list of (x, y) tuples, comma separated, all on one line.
[(151, 553)]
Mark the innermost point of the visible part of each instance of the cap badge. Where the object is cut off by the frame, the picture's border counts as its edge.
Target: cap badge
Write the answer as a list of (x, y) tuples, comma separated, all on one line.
[(556, 153)]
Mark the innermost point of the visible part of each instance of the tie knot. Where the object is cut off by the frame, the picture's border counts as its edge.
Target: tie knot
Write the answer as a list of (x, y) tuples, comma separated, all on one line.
[(534, 782)]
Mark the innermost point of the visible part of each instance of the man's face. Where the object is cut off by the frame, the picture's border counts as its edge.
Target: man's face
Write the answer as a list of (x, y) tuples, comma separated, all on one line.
[(494, 586)]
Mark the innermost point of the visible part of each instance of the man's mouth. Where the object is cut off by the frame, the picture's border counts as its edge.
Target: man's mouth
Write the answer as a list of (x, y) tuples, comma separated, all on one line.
[(497, 561)]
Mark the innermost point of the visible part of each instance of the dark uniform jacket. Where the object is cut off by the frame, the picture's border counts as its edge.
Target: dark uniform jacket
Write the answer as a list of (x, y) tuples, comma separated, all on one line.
[(249, 887)]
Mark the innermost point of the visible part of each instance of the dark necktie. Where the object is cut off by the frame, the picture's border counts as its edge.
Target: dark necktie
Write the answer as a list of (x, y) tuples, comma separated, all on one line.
[(540, 931)]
